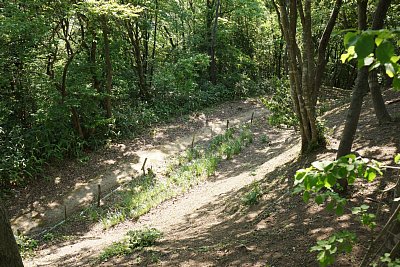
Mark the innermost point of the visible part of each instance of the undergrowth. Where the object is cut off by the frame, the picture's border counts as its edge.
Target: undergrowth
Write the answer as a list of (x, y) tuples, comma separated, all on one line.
[(192, 167), (134, 240)]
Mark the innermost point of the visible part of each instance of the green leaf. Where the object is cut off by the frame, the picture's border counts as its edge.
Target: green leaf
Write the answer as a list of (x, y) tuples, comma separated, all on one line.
[(350, 39), (397, 159), (339, 210), (389, 69), (396, 83), (344, 57), (378, 41), (371, 176), (364, 207), (330, 180), (331, 205), (365, 46), (349, 55), (319, 199), (300, 174), (394, 59), (384, 52), (306, 196), (320, 165)]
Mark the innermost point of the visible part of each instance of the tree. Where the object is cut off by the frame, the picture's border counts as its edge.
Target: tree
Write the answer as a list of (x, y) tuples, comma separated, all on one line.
[(361, 85), (9, 254), (305, 72)]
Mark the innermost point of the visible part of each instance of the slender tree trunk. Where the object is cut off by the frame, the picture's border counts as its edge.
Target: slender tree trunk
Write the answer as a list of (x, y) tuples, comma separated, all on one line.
[(379, 104), (92, 61), (135, 42), (361, 85), (9, 254), (322, 46), (381, 112), (213, 63), (107, 56), (353, 114), (153, 52)]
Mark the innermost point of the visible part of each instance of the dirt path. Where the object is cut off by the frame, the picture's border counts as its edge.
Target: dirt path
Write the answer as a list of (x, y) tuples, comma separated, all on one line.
[(124, 165), (210, 225), (173, 215)]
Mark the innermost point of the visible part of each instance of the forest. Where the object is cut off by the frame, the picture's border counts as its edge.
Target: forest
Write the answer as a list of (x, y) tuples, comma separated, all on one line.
[(199, 133)]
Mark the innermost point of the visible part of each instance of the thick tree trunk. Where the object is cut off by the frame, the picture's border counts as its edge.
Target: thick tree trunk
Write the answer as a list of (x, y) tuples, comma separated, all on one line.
[(9, 254), (304, 81), (108, 66)]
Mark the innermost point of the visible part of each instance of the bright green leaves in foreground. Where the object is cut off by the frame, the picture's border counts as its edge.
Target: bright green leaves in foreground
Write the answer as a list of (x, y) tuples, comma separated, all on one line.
[(367, 219), (325, 174), (319, 182), (337, 243), (374, 49)]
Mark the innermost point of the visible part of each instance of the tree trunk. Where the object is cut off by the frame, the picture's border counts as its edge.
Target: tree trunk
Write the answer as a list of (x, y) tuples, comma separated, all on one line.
[(353, 113), (361, 81), (360, 87), (153, 52), (381, 112), (9, 254), (108, 66), (379, 104), (213, 63), (134, 39), (304, 82)]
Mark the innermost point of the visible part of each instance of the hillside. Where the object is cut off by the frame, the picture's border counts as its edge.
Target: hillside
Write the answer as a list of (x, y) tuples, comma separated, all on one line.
[(212, 224)]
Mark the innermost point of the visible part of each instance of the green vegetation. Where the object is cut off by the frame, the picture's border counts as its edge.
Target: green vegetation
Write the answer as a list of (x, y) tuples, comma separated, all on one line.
[(189, 169), (253, 196), (279, 103), (338, 243), (26, 245), (320, 181), (134, 240), (76, 76)]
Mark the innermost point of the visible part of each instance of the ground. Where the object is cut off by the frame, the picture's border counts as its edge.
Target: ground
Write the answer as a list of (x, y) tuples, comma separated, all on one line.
[(210, 225)]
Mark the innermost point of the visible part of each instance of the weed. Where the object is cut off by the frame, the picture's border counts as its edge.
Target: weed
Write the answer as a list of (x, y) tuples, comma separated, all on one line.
[(48, 237), (253, 196), (264, 139), (192, 167), (26, 244), (134, 240), (113, 218)]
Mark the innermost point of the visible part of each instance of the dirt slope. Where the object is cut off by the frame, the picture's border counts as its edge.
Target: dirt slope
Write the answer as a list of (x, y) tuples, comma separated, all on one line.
[(210, 225)]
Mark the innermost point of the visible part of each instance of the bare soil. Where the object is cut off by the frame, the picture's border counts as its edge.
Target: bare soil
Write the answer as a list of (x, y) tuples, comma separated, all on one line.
[(210, 225)]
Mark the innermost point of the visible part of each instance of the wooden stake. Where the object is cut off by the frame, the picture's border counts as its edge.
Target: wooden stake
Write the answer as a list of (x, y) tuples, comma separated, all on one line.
[(227, 124), (252, 117), (193, 142), (143, 167), (65, 212), (98, 194)]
